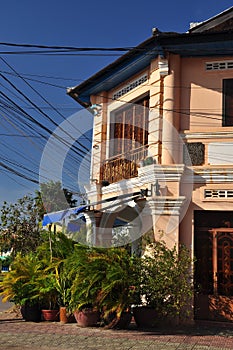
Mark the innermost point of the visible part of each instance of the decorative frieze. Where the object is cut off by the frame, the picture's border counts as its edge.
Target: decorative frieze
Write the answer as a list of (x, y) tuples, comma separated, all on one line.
[(130, 86), (219, 65), (194, 153), (218, 194)]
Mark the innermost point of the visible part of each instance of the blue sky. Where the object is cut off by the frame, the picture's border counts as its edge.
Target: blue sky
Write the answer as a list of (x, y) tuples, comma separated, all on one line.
[(67, 23)]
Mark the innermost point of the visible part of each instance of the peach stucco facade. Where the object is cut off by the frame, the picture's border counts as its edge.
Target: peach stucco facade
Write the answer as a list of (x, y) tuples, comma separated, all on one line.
[(189, 99), (162, 149)]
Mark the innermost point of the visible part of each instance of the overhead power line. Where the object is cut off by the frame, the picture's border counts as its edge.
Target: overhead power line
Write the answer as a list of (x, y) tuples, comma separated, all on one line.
[(57, 47), (77, 149), (46, 101), (42, 76)]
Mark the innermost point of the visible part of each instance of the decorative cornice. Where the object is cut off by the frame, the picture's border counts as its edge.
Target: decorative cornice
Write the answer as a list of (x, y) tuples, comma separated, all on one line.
[(207, 135), (153, 172), (165, 205), (212, 175)]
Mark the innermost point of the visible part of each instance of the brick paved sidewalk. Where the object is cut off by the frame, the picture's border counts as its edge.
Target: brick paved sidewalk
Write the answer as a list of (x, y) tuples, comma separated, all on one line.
[(17, 334)]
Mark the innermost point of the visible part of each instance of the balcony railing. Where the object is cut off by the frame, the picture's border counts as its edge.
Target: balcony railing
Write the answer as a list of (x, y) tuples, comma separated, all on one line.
[(123, 166)]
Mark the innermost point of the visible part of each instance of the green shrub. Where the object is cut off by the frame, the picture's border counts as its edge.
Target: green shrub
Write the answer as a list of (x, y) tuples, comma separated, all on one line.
[(165, 279)]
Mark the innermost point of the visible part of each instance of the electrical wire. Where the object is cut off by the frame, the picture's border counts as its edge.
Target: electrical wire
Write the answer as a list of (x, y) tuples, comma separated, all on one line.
[(72, 48), (45, 100), (42, 112), (80, 154), (35, 107), (42, 136), (29, 140)]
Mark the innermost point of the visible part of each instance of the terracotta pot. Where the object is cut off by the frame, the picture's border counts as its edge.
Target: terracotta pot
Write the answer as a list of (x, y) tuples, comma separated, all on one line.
[(63, 315), (50, 315), (145, 317), (87, 318)]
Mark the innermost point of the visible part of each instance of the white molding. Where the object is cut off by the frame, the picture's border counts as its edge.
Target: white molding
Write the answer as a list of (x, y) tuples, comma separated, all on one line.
[(166, 205), (159, 172), (213, 175), (147, 175), (208, 135)]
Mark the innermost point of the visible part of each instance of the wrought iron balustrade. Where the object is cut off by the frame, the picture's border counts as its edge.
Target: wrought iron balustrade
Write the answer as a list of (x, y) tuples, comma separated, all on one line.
[(123, 166)]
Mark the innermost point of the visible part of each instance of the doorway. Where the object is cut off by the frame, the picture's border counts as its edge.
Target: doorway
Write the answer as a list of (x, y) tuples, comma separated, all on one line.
[(213, 249)]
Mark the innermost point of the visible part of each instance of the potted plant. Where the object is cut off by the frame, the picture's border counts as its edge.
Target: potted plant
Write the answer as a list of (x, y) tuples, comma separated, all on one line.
[(33, 278), (117, 291), (18, 285), (164, 284), (83, 287), (46, 291), (103, 283), (53, 285), (63, 287)]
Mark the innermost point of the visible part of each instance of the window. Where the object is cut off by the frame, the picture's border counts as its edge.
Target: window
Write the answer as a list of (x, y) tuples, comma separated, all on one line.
[(129, 127), (227, 102)]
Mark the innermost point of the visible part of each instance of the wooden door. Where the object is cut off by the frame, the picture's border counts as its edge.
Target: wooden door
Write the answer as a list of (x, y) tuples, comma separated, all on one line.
[(214, 274)]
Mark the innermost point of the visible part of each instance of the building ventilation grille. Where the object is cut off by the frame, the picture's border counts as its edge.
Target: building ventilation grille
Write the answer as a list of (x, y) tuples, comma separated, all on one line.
[(221, 65), (218, 194), (130, 86)]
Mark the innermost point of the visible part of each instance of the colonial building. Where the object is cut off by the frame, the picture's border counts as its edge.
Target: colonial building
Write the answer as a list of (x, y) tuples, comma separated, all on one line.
[(162, 156)]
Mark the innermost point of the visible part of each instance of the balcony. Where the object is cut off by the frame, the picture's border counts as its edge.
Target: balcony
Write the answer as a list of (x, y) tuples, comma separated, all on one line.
[(123, 166)]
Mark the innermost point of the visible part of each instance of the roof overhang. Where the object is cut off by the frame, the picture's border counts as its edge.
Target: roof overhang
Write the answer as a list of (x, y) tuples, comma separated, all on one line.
[(213, 21), (120, 70), (199, 44), (137, 59)]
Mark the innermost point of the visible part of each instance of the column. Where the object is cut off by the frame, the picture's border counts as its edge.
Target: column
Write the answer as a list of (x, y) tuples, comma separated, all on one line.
[(171, 104)]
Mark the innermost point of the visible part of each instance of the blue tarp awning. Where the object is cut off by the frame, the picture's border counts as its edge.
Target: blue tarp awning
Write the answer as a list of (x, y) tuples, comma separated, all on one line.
[(58, 216)]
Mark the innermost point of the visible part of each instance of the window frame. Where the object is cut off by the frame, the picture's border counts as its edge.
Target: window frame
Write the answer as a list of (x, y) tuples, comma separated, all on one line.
[(123, 109), (227, 92)]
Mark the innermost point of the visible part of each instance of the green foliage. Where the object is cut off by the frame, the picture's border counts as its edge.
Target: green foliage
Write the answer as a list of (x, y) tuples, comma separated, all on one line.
[(52, 286), (20, 228), (76, 268), (35, 277), (55, 245), (45, 289), (54, 197), (117, 292), (165, 279), (63, 287), (77, 276), (19, 283), (101, 278)]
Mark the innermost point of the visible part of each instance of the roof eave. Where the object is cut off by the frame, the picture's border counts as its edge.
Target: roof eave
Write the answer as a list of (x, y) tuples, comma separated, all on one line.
[(134, 61), (213, 21), (124, 65)]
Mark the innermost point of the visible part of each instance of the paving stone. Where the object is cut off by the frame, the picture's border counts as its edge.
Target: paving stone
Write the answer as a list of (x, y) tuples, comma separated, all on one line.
[(16, 334)]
